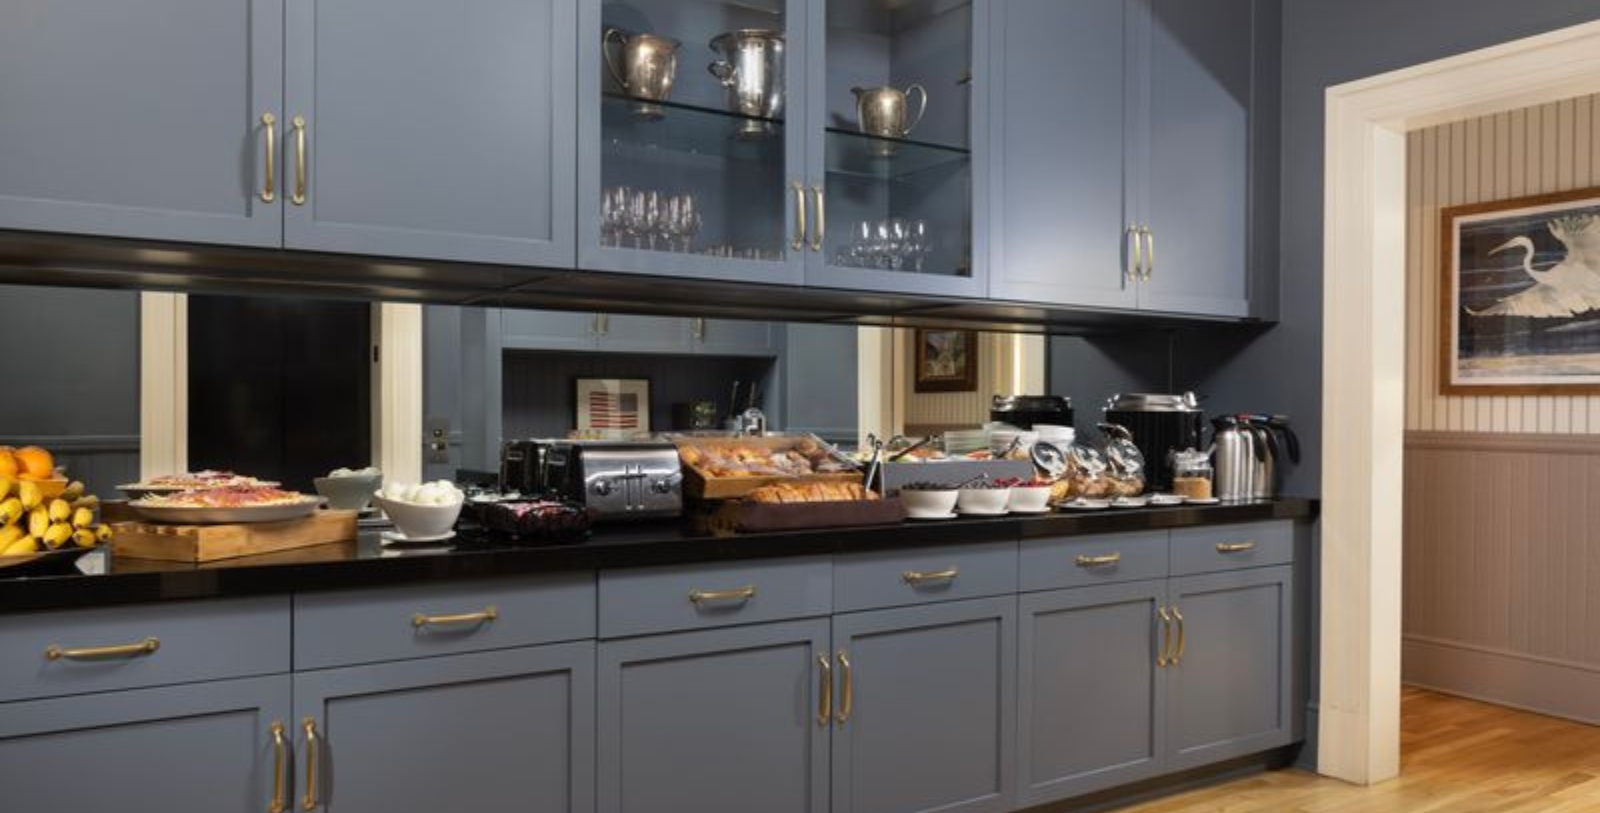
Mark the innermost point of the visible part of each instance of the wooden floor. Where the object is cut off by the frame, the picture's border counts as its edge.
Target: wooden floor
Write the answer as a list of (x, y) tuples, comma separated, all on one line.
[(1456, 756)]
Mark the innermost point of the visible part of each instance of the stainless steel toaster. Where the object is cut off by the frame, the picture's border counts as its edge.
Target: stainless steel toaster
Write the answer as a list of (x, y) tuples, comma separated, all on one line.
[(617, 480)]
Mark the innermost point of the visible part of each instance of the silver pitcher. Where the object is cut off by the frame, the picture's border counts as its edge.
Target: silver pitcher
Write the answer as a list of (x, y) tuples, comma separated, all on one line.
[(882, 111), (751, 69), (649, 64)]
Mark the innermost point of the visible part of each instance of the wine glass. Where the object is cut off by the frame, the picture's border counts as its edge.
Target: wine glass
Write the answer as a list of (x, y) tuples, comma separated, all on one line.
[(899, 236), (614, 214), (921, 243)]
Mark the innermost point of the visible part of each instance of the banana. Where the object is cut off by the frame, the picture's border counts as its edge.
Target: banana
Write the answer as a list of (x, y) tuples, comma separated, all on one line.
[(38, 521), (89, 501), (30, 495), (9, 534), (83, 538), (11, 510), (102, 533), (57, 535), (60, 511), (7, 485), (82, 517), (73, 491), (19, 547)]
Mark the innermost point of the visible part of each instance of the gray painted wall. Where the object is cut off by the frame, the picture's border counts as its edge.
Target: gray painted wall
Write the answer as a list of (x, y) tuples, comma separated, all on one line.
[(1329, 43)]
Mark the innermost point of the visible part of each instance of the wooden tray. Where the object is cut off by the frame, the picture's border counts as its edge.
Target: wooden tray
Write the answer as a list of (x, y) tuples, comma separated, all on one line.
[(735, 517), (699, 485), (208, 543)]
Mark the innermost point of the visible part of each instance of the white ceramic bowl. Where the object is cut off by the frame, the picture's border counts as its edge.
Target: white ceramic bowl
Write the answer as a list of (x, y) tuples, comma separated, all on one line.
[(983, 500), (1029, 499), (928, 503), (351, 493), (419, 521)]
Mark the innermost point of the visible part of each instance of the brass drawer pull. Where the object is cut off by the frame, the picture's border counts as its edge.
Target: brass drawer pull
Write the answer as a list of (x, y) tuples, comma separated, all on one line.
[(1135, 255), (1177, 658), (1166, 637), (298, 197), (1236, 547), (824, 691), (146, 647), (799, 241), (822, 220), (489, 613), (740, 594), (269, 189), (1149, 252), (310, 800), (1099, 561), (917, 578), (280, 770), (847, 699)]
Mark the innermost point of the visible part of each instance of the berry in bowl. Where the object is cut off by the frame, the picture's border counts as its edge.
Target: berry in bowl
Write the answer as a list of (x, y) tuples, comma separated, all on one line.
[(985, 497), (924, 500), (1031, 496)]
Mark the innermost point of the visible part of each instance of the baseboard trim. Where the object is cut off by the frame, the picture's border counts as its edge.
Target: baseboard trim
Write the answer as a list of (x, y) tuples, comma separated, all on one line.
[(1559, 689)]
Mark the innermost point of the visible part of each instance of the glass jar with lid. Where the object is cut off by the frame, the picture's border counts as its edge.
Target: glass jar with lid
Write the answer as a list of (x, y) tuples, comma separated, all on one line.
[(1191, 474)]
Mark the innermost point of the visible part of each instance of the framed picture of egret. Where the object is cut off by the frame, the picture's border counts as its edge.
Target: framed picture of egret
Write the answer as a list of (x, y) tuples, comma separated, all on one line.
[(1520, 310)]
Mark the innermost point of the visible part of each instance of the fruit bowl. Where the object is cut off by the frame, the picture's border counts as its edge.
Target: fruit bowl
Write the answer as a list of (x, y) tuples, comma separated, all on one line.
[(350, 492)]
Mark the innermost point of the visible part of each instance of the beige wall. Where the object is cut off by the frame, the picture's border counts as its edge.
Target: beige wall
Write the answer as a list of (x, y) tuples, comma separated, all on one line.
[(1501, 595), (1007, 365)]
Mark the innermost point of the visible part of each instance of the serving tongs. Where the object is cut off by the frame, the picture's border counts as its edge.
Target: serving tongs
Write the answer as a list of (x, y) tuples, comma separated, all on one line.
[(875, 465), (894, 458)]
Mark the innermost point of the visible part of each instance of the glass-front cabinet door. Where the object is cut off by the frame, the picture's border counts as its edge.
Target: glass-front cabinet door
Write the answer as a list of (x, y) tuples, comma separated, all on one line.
[(690, 162), (895, 119)]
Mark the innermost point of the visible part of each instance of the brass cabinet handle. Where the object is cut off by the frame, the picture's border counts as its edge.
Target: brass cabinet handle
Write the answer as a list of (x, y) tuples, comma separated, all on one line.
[(269, 189), (280, 770), (847, 695), (1177, 658), (1236, 547), (1149, 251), (488, 614), (310, 800), (1098, 561), (298, 197), (740, 594), (698, 328), (824, 691), (1135, 255), (1166, 636), (799, 241), (822, 219), (148, 646), (916, 578)]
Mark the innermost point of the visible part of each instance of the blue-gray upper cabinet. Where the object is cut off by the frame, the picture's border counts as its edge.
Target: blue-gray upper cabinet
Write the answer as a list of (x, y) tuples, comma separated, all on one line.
[(549, 330), (684, 177), (429, 130), (1229, 688), (508, 729), (1090, 714), (629, 333), (1195, 147), (724, 720), (898, 202), (924, 709), (196, 748), (1060, 150), (734, 337), (142, 118)]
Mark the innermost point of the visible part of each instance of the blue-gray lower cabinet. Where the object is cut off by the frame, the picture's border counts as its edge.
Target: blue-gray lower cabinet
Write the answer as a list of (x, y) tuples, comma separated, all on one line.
[(1090, 709), (196, 748), (715, 721), (924, 709), (1230, 691), (508, 729)]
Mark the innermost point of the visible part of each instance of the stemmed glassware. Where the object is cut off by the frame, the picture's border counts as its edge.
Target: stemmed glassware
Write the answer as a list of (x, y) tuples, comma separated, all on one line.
[(646, 218), (894, 244)]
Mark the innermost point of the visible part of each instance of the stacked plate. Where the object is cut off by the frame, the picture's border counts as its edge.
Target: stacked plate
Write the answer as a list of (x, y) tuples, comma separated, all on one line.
[(962, 441)]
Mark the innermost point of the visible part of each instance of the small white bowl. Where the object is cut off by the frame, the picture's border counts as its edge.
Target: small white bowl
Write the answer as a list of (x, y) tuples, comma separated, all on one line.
[(419, 521), (1030, 499), (983, 500), (351, 493), (928, 503)]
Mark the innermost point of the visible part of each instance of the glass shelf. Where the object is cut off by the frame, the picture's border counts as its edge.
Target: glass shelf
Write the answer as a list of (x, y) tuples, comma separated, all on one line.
[(888, 159), (689, 129)]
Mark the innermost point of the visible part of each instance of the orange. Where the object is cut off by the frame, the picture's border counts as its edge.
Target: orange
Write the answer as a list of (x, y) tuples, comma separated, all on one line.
[(8, 463), (34, 461)]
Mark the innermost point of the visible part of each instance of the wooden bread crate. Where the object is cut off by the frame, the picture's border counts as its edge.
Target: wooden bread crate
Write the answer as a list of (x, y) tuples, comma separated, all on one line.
[(208, 543), (700, 484)]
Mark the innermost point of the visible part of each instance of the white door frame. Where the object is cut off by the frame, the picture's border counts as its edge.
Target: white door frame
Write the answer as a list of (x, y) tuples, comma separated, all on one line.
[(1363, 362)]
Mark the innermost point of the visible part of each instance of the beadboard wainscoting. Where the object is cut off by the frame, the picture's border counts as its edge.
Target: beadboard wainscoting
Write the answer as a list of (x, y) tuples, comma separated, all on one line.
[(1502, 568)]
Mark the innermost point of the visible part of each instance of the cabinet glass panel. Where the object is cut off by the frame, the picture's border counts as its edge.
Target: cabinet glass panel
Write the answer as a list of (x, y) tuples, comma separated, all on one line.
[(693, 106), (896, 136)]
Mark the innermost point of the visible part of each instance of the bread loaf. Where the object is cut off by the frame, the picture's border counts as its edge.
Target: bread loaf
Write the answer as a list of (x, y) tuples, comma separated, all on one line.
[(811, 492)]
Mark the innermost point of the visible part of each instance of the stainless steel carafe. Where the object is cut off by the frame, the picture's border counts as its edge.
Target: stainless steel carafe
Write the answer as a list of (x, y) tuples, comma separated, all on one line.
[(1235, 451)]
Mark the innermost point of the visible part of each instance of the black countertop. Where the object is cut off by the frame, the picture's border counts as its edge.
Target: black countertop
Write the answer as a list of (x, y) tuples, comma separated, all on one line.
[(367, 563)]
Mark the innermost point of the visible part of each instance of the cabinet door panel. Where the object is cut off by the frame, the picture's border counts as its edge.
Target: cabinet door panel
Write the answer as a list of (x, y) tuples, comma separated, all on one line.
[(1199, 157), (548, 330), (627, 333), (733, 337), (141, 118), (507, 730), (1062, 155), (720, 721), (933, 696), (1230, 691), (200, 748), (434, 130), (1089, 709)]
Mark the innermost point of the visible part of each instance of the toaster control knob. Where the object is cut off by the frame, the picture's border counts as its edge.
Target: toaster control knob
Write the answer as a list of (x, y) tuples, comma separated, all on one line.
[(602, 488), (661, 486)]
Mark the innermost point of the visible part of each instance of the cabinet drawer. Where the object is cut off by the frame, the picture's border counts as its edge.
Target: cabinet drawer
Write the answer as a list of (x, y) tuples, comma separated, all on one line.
[(366, 626), (1077, 561), (1231, 547), (187, 641), (893, 578), (639, 602)]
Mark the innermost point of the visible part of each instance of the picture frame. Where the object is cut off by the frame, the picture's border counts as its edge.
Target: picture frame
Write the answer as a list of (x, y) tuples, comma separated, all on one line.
[(611, 408), (1520, 296), (946, 361)]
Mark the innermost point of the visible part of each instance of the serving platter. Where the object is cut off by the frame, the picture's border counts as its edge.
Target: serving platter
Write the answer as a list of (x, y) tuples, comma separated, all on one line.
[(186, 515)]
